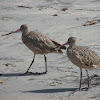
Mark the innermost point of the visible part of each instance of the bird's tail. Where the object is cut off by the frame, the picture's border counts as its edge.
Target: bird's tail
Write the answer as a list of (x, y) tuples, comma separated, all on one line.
[(56, 50), (59, 51), (58, 44)]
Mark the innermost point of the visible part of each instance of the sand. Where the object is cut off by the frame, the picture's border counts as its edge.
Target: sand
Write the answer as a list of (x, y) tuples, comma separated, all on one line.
[(58, 19)]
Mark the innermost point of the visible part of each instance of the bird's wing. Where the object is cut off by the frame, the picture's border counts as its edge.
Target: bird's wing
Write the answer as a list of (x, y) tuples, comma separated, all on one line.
[(87, 57), (41, 41)]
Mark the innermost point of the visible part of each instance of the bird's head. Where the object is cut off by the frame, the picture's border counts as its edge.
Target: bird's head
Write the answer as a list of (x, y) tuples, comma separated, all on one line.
[(23, 28), (71, 41)]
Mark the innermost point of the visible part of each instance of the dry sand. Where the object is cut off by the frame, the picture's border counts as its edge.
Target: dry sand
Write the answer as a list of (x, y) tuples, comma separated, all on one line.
[(62, 77)]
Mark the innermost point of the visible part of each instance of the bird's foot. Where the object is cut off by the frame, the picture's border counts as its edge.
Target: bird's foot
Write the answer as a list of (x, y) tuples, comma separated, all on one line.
[(0, 74), (41, 73), (26, 73), (84, 89), (45, 72), (37, 73)]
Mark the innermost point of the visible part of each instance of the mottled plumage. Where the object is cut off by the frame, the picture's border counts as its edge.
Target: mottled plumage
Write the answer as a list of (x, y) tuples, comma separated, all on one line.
[(38, 43), (81, 56)]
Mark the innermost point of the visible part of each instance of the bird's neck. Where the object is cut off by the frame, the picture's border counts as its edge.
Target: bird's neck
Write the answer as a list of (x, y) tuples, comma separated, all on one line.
[(73, 45), (26, 32)]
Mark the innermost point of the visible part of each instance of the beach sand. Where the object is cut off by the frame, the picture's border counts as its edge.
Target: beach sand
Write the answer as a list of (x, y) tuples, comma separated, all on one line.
[(58, 19)]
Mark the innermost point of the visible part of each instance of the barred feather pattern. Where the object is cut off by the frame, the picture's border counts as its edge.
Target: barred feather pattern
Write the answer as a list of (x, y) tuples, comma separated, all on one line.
[(39, 43), (83, 57)]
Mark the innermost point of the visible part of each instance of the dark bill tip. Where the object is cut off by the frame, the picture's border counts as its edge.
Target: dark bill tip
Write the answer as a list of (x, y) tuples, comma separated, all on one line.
[(6, 34), (11, 32)]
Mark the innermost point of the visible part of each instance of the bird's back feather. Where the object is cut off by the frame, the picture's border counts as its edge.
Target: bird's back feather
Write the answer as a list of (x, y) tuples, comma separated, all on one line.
[(83, 57), (39, 43)]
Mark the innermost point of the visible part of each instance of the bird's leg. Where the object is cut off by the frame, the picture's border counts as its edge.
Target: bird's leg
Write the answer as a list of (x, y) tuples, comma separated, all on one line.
[(88, 78), (45, 64), (80, 78), (86, 88), (30, 65)]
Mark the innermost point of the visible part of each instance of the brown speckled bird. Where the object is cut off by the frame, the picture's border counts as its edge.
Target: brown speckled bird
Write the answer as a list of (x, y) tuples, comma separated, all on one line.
[(81, 57), (38, 43)]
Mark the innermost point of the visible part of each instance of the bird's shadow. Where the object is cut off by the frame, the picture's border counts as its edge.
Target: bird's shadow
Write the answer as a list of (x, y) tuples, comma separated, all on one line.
[(20, 74), (52, 90)]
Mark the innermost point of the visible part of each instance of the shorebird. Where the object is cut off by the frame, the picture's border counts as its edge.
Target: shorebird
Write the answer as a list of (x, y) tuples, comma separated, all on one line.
[(82, 57), (38, 43)]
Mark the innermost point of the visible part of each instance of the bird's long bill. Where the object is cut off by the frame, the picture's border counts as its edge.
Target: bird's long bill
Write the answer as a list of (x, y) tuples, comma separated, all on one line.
[(63, 45), (11, 32)]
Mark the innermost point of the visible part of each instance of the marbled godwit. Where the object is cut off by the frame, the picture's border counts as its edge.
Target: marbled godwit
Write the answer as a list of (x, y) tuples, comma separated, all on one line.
[(38, 43), (81, 57)]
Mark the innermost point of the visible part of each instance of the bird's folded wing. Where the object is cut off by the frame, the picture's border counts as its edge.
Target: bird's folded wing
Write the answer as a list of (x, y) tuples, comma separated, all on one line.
[(88, 57), (41, 41)]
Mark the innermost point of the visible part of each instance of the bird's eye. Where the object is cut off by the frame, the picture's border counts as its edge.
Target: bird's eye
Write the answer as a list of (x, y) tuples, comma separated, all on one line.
[(22, 26), (68, 39)]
